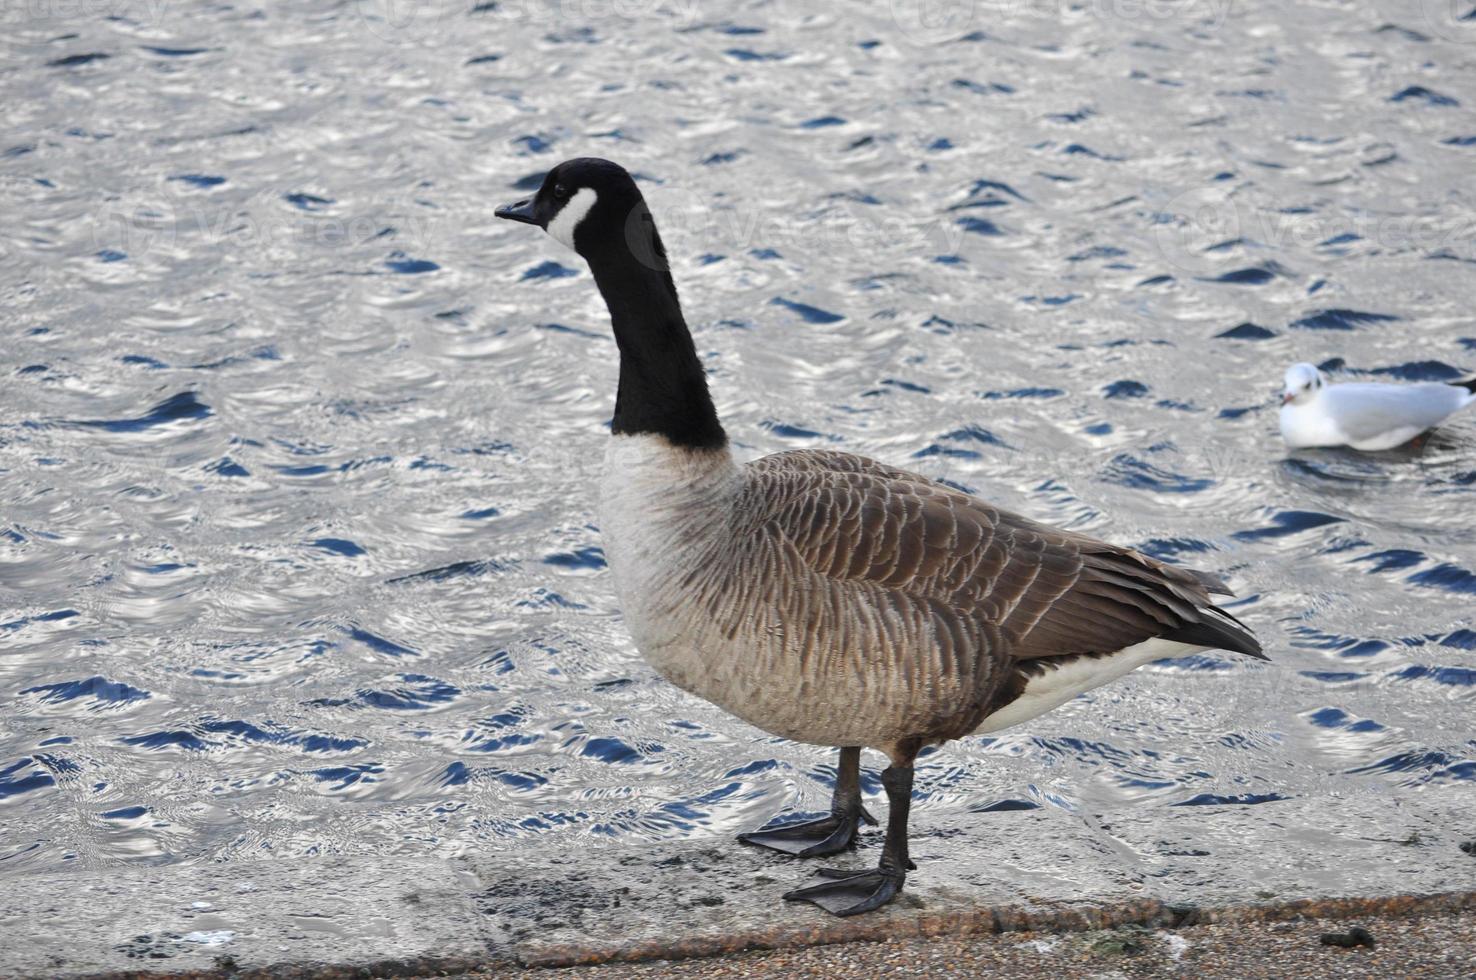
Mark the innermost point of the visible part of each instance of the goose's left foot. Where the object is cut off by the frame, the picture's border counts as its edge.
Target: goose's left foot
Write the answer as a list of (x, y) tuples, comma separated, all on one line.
[(828, 835), (814, 838), (854, 892)]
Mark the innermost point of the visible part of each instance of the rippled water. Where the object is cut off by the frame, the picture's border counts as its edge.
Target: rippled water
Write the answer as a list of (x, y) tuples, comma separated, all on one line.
[(298, 447)]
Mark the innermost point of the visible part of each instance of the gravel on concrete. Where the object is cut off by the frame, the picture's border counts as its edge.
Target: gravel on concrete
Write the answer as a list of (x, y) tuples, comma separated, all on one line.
[(1434, 946)]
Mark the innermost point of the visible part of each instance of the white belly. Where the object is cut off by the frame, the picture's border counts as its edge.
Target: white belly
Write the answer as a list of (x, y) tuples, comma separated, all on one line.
[(1058, 684), (1388, 440)]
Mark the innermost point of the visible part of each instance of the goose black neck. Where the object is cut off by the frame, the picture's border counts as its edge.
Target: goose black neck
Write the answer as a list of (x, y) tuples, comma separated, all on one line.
[(663, 388)]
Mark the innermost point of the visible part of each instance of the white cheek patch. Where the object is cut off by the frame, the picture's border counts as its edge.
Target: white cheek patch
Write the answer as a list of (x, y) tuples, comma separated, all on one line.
[(563, 225)]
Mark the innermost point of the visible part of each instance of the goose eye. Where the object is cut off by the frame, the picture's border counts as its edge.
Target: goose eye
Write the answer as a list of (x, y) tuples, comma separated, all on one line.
[(560, 191)]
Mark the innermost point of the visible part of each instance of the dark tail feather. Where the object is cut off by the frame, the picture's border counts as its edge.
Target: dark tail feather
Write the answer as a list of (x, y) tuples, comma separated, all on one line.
[(1227, 633), (1468, 385)]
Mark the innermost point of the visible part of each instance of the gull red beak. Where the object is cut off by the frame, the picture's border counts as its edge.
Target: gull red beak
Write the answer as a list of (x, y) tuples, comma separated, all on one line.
[(1286, 399)]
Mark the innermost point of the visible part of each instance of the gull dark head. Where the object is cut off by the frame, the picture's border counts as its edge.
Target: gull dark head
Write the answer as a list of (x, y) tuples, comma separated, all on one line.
[(1303, 382), (594, 207)]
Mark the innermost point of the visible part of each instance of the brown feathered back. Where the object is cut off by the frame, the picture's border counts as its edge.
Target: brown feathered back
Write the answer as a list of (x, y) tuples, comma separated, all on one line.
[(1050, 593)]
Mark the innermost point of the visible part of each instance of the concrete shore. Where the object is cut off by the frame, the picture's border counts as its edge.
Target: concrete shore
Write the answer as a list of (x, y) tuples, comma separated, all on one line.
[(1427, 947), (1430, 937), (1001, 877)]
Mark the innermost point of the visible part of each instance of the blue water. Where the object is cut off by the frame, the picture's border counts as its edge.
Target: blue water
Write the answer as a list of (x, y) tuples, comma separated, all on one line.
[(298, 447)]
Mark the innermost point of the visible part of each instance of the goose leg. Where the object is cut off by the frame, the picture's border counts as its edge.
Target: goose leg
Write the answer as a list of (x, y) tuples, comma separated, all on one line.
[(853, 892), (828, 835)]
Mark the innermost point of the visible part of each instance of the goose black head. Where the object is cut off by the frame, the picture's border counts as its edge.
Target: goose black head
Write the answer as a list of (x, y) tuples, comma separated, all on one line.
[(594, 207)]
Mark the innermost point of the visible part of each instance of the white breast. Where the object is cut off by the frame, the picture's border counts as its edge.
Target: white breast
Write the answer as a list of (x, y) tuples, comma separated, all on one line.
[(663, 514), (1307, 426)]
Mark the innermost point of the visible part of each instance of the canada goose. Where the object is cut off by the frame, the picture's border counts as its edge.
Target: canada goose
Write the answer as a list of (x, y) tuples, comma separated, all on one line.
[(828, 598), (1364, 415)]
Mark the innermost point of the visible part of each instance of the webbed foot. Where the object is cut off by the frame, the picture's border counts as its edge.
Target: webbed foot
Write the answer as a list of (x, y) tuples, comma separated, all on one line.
[(828, 835), (851, 892)]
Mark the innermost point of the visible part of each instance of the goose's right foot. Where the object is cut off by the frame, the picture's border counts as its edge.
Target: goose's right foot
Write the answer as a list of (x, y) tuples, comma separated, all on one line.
[(852, 892), (828, 835)]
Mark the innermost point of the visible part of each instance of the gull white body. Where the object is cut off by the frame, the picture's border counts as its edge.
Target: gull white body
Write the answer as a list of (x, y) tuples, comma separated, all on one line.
[(1363, 415)]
